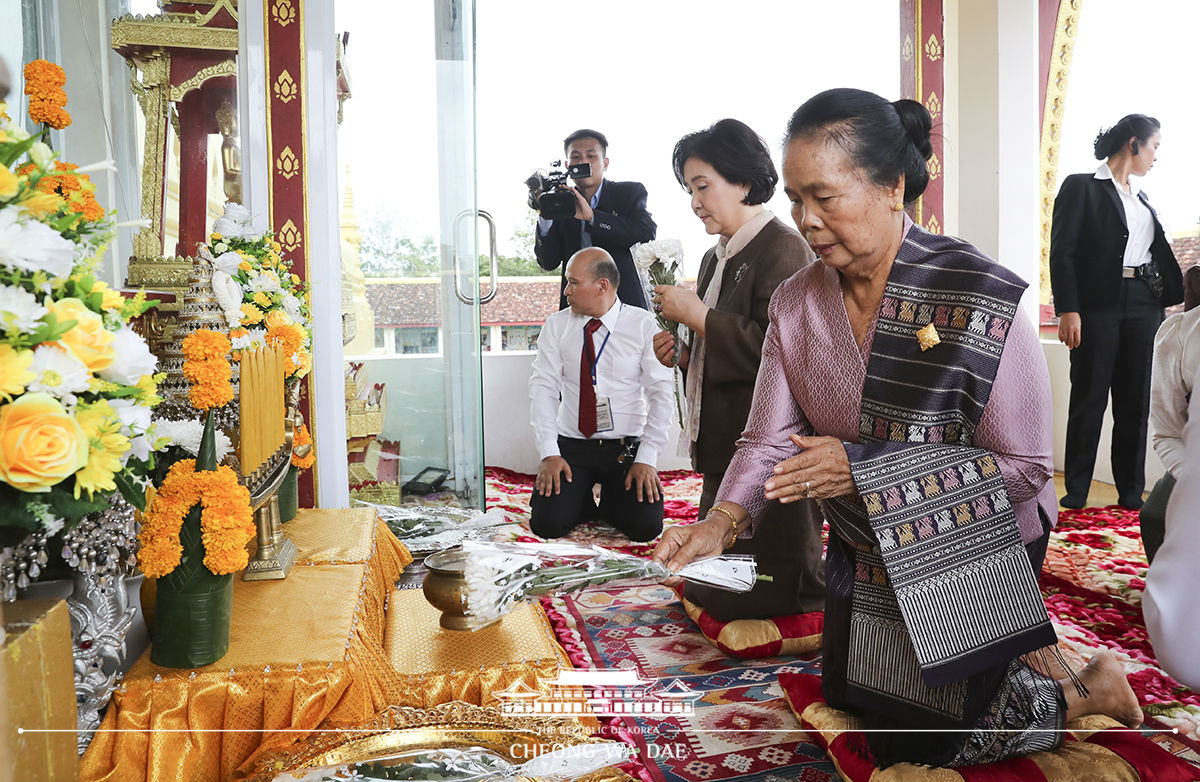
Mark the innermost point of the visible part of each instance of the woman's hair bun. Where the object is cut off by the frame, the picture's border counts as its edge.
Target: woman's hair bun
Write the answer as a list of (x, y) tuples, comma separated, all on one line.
[(917, 124)]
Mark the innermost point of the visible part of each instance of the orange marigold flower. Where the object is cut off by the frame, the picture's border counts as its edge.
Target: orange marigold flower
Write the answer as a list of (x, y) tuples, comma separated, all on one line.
[(300, 439), (44, 85), (205, 343), (206, 368)]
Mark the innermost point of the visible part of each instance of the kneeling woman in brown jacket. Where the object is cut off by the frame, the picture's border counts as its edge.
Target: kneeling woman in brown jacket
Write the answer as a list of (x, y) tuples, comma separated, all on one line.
[(728, 172)]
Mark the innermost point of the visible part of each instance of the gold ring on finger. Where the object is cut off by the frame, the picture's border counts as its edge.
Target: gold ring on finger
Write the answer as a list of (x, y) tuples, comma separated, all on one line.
[(807, 489)]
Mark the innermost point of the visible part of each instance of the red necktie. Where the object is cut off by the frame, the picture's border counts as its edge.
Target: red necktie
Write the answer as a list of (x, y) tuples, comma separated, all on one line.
[(587, 391)]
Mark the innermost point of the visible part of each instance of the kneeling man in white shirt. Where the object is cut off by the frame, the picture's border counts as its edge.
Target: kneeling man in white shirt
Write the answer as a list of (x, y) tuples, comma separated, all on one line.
[(601, 406)]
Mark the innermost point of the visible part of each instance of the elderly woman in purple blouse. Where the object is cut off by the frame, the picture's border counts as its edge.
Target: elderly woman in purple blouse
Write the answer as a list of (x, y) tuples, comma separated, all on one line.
[(901, 388)]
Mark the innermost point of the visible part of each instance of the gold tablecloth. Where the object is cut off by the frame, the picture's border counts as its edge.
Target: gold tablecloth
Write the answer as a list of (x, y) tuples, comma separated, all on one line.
[(305, 652), (331, 646)]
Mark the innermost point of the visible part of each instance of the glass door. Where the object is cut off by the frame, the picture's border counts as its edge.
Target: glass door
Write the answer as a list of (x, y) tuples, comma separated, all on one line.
[(410, 219)]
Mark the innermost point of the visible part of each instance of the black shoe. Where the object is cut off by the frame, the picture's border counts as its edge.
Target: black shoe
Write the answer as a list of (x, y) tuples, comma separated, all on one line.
[(1074, 503), (1131, 504)]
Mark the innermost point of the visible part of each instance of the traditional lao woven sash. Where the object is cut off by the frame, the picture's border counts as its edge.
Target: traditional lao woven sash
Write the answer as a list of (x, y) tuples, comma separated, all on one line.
[(948, 590)]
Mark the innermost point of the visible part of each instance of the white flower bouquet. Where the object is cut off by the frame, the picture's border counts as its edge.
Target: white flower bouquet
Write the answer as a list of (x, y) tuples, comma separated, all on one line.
[(500, 575), (657, 263)]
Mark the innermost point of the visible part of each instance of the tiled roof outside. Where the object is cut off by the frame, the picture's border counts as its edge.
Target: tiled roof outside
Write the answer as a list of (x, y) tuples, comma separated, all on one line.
[(416, 302)]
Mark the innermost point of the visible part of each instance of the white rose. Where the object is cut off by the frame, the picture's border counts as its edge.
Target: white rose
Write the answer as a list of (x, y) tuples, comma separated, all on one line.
[(133, 359), (221, 247), (30, 246), (291, 306), (236, 223)]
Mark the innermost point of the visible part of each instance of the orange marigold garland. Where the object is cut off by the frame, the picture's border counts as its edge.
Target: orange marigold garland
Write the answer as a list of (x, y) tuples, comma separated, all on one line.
[(226, 521), (299, 440), (207, 369), (44, 85)]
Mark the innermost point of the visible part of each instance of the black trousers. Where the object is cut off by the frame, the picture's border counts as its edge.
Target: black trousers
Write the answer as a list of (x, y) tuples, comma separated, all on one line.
[(1114, 355), (592, 462)]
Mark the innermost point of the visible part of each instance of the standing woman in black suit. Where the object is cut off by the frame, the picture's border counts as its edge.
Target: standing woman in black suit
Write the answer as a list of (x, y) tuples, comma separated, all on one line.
[(1112, 271)]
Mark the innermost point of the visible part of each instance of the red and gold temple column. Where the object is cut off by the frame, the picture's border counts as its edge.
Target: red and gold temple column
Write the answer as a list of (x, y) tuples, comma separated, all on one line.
[(287, 182), (922, 78)]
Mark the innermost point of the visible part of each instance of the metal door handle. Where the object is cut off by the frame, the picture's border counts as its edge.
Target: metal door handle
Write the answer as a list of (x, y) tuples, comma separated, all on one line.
[(495, 263)]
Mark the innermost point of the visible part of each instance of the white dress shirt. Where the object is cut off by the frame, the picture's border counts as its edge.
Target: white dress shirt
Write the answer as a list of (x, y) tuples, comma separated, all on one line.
[(1138, 220), (1169, 602), (638, 387), (1176, 363)]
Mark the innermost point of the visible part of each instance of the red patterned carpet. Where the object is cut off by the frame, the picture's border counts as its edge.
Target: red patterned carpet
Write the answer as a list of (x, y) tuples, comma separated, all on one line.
[(1092, 582)]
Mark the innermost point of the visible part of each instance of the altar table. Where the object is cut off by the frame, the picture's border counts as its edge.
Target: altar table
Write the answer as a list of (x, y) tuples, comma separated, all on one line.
[(304, 652), (329, 647)]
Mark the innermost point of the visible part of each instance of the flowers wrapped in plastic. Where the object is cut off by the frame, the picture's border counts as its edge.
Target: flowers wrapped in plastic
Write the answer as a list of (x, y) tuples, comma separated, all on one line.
[(657, 262), (433, 527), (474, 764), (500, 575)]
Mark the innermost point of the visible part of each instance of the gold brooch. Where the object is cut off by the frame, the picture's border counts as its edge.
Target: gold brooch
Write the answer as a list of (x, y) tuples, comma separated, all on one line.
[(928, 337)]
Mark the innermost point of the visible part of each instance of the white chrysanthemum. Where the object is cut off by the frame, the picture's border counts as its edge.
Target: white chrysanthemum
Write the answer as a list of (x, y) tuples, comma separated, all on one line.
[(236, 223), (665, 251), (135, 424), (19, 309), (133, 358), (57, 372), (187, 434), (251, 340), (291, 306), (267, 282), (30, 246)]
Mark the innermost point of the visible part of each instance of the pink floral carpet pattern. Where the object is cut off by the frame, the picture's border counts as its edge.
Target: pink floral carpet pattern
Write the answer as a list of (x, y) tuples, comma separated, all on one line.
[(1092, 582)]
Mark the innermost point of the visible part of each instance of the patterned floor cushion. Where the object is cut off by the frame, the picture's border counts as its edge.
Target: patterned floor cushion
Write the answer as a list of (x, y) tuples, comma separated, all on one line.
[(1096, 749), (775, 637)]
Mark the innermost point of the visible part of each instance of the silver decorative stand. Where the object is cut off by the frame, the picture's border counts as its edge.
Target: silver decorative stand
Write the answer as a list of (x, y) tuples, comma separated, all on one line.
[(100, 620)]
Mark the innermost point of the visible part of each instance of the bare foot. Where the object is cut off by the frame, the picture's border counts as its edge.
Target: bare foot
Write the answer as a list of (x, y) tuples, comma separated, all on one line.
[(1109, 692)]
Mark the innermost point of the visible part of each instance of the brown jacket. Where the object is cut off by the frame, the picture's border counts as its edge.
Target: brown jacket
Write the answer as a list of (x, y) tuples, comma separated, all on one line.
[(735, 329)]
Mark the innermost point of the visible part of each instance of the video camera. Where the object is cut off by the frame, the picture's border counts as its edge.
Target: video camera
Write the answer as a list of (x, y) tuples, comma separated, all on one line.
[(549, 192)]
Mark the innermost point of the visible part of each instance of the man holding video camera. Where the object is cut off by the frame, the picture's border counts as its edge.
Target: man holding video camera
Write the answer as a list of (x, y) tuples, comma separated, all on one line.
[(609, 215)]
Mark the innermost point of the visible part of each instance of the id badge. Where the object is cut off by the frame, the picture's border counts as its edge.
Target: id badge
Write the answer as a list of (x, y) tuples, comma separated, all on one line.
[(604, 419)]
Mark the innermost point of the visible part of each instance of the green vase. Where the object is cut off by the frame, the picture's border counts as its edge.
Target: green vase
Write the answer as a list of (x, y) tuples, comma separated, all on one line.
[(289, 494), (193, 606)]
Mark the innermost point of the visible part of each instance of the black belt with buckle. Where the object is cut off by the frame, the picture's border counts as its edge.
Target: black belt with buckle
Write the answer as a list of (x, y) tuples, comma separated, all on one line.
[(1147, 272)]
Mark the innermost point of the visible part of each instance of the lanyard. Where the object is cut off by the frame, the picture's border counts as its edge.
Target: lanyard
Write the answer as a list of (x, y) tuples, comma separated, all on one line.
[(602, 344)]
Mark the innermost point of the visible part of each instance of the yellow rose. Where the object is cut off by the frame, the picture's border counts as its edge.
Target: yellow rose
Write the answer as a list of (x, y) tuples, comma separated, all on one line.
[(40, 444), (10, 183), (305, 363), (14, 371), (277, 318), (111, 300), (88, 339)]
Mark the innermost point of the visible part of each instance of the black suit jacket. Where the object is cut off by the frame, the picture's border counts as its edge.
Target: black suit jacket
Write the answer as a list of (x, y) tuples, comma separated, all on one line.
[(1087, 247), (620, 221)]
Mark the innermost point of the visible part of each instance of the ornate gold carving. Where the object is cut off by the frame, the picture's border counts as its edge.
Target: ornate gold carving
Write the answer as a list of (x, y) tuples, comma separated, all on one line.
[(283, 13), (933, 49), (933, 226), (934, 166), (285, 87), (151, 93), (287, 164), (933, 105), (184, 31), (907, 51), (1065, 30), (289, 236), (223, 68)]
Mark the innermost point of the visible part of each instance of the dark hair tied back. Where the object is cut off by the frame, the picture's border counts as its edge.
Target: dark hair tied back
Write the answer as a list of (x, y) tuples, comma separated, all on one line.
[(886, 140), (735, 152), (1136, 126)]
